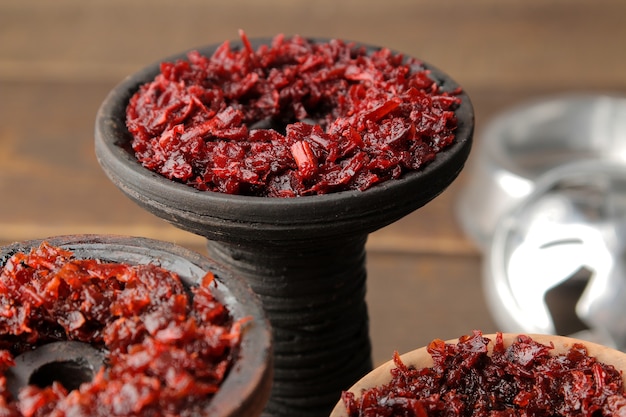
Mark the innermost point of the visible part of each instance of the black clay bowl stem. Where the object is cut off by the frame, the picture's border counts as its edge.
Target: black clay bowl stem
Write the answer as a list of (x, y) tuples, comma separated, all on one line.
[(304, 256), (246, 389)]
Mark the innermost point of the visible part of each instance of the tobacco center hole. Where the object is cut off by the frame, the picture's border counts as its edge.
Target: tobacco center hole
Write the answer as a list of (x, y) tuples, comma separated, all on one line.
[(278, 125), (70, 374)]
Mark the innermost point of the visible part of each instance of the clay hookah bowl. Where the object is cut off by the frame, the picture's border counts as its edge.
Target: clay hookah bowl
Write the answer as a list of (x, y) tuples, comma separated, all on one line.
[(304, 256), (420, 358), (245, 390)]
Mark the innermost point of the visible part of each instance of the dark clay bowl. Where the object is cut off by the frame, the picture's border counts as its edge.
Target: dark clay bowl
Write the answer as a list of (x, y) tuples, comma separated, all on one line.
[(303, 256), (246, 389), (221, 216)]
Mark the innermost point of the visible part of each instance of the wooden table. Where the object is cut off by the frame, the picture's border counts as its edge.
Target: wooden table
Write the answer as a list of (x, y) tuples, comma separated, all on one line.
[(59, 59)]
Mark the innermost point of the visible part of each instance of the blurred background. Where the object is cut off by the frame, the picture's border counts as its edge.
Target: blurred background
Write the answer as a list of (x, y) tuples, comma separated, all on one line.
[(59, 59)]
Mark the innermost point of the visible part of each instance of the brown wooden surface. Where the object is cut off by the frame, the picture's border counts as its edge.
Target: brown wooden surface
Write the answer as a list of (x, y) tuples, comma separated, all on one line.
[(58, 60)]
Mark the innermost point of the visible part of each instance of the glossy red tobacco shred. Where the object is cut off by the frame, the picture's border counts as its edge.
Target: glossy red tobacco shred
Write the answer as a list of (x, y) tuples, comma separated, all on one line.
[(291, 118), (523, 379), (167, 352)]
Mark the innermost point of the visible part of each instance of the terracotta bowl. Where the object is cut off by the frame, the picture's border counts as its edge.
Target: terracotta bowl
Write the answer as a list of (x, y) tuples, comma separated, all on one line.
[(246, 389), (420, 358)]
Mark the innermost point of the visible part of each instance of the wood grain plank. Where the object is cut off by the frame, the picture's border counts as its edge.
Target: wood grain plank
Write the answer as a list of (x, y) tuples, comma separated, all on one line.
[(510, 45), (415, 299)]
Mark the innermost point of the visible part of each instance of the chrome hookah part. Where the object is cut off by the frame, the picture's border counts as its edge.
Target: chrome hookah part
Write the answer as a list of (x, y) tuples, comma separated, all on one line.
[(519, 145), (556, 261)]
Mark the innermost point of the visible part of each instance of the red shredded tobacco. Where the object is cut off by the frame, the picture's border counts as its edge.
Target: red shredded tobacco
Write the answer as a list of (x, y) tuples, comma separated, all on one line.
[(523, 379), (291, 118), (167, 352)]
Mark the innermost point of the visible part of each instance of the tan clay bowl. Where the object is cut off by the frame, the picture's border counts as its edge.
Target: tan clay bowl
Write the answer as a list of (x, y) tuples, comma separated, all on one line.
[(420, 358)]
